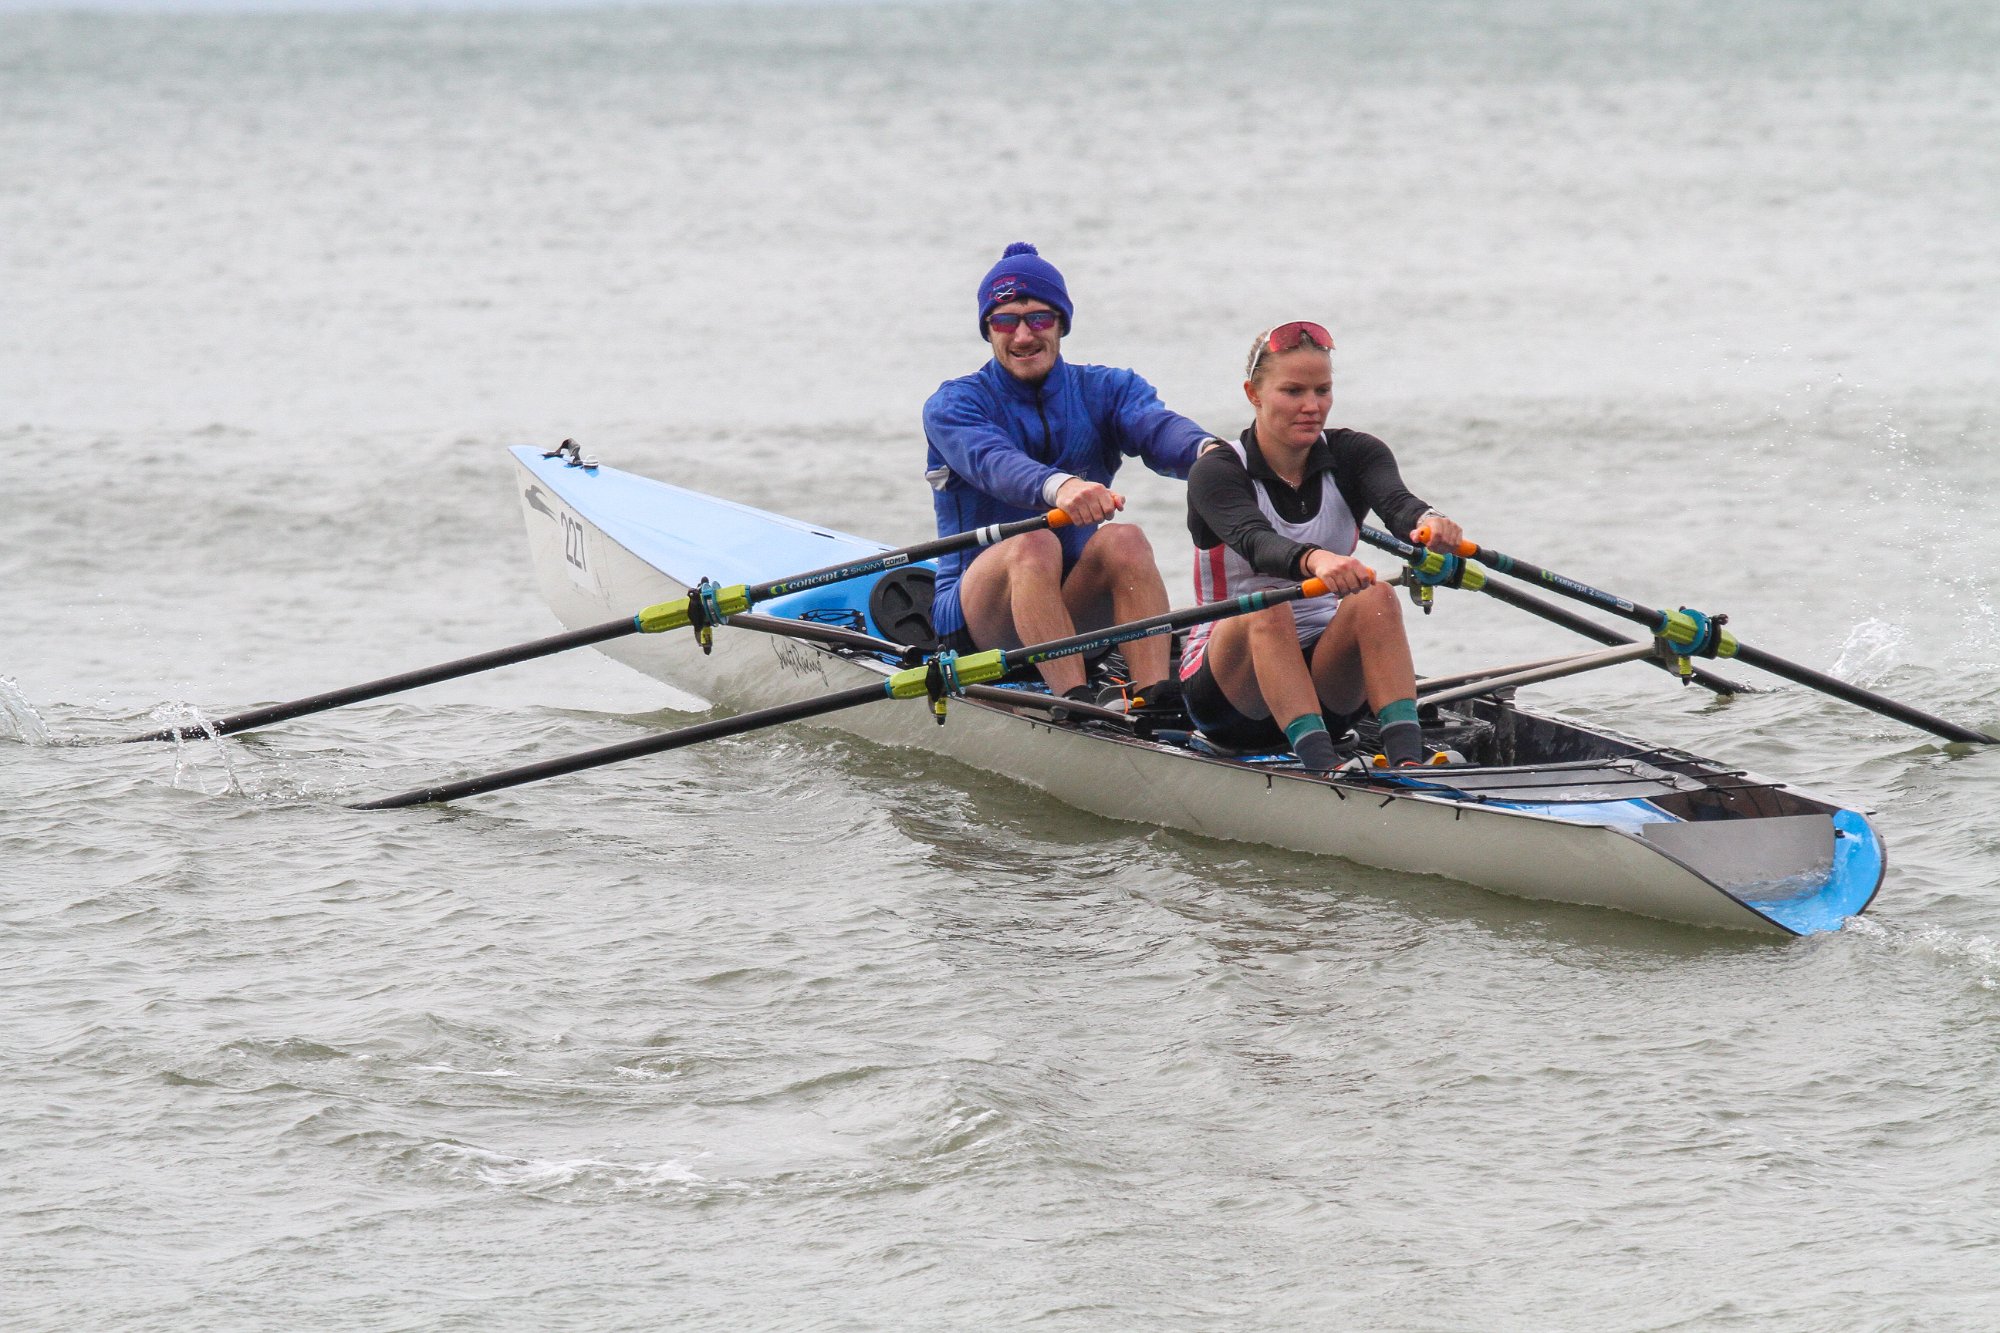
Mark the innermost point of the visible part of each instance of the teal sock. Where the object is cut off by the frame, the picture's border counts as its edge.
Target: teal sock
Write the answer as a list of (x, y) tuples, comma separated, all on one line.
[(1305, 724), (1401, 710), (1402, 738), (1310, 741)]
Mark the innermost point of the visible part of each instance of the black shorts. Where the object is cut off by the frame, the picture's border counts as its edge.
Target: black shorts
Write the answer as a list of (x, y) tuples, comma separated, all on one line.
[(1219, 720)]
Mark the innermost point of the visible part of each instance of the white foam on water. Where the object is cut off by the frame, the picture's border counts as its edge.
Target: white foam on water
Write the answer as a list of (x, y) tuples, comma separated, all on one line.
[(1976, 954), (541, 1174), (649, 1075)]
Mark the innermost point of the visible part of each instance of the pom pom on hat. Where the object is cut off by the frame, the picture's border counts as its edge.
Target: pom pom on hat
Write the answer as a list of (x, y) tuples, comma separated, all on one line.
[(1021, 274)]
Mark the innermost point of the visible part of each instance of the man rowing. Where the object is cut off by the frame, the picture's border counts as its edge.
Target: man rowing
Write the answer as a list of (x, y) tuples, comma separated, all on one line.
[(1282, 504), (1029, 432)]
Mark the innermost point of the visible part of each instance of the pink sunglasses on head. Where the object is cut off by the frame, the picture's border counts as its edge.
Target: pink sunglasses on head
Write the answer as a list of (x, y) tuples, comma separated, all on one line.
[(1287, 338)]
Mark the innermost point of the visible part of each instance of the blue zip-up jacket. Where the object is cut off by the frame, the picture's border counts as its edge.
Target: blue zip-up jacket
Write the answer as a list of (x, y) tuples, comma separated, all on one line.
[(994, 441)]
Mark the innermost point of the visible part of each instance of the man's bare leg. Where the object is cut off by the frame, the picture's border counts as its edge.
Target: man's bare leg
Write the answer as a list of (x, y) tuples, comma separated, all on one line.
[(1115, 581), (1012, 594)]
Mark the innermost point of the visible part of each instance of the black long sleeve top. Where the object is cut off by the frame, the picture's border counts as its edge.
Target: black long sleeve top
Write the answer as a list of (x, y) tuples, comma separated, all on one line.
[(1222, 497)]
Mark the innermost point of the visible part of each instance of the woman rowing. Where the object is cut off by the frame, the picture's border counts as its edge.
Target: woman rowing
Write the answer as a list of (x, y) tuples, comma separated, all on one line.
[(1284, 504)]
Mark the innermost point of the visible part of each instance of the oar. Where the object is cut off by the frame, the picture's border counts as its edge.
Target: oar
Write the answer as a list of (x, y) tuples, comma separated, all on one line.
[(611, 754), (1475, 578), (1695, 634), (704, 607), (941, 675)]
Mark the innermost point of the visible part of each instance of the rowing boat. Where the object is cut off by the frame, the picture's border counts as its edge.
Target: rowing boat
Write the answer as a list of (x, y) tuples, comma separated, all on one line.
[(1543, 808)]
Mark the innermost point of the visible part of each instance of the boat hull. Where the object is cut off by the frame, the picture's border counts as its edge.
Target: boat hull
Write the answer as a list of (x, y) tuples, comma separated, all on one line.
[(606, 544)]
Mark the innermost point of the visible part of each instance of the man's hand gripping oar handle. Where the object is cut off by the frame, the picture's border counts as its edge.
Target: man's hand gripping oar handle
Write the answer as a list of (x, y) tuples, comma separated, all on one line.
[(708, 604)]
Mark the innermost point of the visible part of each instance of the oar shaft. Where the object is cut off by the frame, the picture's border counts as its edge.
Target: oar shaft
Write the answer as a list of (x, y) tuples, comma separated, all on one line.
[(651, 620), (958, 541), (408, 680), (942, 675), (1569, 587), (1860, 698), (1730, 646), (611, 754), (1165, 623), (1550, 612)]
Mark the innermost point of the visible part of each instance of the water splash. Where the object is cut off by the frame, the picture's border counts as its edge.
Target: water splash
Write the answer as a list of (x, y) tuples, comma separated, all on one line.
[(192, 757), (1873, 649), (19, 716), (1976, 956)]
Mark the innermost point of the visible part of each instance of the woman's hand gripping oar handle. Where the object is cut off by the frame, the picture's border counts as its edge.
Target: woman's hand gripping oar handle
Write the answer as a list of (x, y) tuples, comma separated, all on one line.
[(1465, 549)]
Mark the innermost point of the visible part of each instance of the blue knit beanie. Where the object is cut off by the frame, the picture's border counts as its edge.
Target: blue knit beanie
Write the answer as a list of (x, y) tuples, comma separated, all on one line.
[(1021, 274)]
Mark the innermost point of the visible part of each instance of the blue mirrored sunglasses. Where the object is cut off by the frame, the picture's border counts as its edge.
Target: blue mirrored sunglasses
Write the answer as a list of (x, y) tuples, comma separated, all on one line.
[(1041, 321)]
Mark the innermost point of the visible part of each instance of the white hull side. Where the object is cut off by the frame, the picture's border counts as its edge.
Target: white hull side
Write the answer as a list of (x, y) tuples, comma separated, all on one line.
[(1520, 855)]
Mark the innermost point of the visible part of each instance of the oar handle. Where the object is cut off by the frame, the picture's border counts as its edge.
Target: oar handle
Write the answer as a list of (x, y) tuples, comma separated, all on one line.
[(958, 541), (1166, 623), (708, 605), (1464, 548)]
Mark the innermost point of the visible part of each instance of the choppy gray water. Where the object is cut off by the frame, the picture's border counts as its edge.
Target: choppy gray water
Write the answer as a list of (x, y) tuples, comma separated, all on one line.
[(1694, 300)]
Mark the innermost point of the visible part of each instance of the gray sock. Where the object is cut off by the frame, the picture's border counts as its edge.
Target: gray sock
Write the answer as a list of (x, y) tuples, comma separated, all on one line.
[(1315, 750), (1403, 743)]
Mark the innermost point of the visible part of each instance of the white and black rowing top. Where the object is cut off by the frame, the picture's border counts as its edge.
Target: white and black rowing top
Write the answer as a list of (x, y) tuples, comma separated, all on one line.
[(1252, 529)]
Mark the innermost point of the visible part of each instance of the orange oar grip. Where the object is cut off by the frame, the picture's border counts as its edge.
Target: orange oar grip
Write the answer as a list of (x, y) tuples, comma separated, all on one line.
[(1463, 548), (1314, 588), (1058, 519)]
